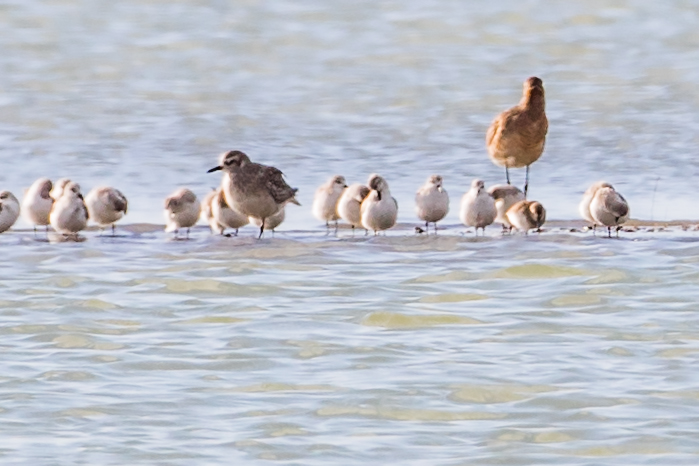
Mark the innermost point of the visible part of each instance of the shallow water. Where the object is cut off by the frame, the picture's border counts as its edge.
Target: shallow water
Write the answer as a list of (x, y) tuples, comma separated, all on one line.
[(559, 348), (302, 348)]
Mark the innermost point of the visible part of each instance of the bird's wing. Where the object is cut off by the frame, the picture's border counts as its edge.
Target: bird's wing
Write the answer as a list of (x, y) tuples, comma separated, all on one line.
[(84, 207), (616, 204), (117, 200), (492, 131), (277, 187)]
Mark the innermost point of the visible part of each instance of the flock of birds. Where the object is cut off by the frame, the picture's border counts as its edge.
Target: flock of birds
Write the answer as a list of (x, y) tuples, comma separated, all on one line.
[(258, 194)]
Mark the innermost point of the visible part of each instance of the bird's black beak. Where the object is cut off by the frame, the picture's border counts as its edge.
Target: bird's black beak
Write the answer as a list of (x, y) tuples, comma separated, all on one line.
[(215, 169)]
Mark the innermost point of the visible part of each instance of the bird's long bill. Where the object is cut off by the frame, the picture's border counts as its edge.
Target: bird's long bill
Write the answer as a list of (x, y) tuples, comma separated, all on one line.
[(215, 169), (294, 201)]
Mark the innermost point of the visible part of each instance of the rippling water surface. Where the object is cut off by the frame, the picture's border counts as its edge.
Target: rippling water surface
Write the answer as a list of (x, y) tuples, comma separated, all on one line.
[(304, 349)]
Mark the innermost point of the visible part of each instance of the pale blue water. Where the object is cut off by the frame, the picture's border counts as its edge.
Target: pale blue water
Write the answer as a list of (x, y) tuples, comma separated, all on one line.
[(309, 349)]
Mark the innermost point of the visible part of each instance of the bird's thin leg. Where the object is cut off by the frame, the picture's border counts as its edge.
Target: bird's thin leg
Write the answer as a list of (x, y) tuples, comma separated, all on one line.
[(617, 230), (507, 174), (526, 182), (113, 230), (609, 232), (236, 232), (187, 235), (35, 229), (336, 226), (262, 228), (352, 230), (435, 228)]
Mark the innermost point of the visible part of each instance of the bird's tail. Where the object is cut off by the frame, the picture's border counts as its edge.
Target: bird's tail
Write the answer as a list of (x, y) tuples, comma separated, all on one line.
[(293, 199)]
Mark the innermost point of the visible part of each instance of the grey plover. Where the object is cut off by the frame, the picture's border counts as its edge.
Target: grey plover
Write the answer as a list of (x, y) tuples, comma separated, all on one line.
[(253, 189)]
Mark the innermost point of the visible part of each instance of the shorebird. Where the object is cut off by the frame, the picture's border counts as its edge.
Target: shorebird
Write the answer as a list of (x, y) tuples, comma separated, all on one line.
[(505, 196), (609, 208), (37, 202), (69, 214), (584, 206), (9, 210), (526, 215), (271, 223), (207, 215), (181, 210), (58, 187), (379, 210), (219, 215), (516, 137), (349, 204), (106, 206), (432, 202), (326, 198), (477, 207), (253, 189)]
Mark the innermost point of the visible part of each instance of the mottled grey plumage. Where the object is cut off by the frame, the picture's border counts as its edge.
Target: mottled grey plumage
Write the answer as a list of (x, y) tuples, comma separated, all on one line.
[(253, 189)]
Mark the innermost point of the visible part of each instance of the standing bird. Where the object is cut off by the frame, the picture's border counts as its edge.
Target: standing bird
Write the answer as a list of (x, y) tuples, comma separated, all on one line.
[(182, 210), (379, 210), (106, 206), (349, 204), (37, 202), (516, 137), (432, 202), (526, 215), (609, 208), (253, 189), (505, 196), (69, 214), (219, 215), (584, 206), (271, 223), (477, 207), (326, 198), (9, 210)]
